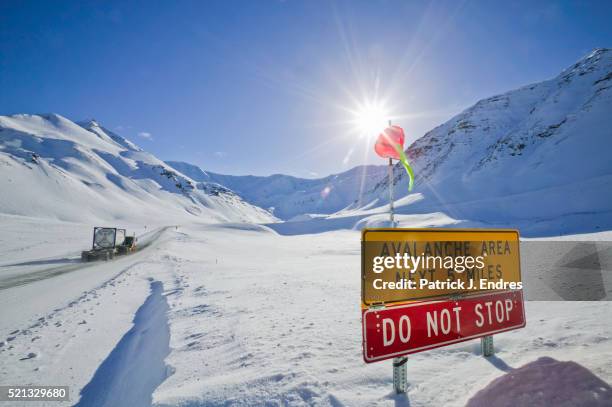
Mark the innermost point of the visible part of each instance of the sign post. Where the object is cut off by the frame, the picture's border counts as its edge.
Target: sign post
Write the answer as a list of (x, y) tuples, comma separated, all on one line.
[(391, 185), (427, 288), (400, 370), (400, 375), (486, 343), (392, 221)]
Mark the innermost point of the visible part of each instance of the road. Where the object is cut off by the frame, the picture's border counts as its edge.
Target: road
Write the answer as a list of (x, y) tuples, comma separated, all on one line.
[(27, 272)]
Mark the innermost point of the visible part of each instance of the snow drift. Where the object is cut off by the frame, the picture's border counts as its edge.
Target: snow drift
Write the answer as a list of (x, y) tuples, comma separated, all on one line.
[(545, 382)]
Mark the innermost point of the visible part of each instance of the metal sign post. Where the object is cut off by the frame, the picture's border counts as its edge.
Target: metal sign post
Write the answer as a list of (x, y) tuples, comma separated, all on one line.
[(391, 189), (391, 193), (400, 375), (486, 343)]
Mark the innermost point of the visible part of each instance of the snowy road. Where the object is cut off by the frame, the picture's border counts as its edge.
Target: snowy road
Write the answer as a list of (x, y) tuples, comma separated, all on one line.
[(27, 272), (254, 318)]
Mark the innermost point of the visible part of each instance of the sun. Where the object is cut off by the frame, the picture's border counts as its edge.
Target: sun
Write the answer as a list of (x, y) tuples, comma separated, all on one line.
[(370, 118)]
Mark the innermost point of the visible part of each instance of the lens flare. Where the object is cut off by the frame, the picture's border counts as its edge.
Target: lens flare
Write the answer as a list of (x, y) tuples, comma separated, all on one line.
[(325, 192), (370, 118)]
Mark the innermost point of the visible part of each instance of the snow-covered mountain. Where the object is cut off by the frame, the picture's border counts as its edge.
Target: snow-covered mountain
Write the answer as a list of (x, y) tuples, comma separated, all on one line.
[(539, 156), (289, 197), (53, 167)]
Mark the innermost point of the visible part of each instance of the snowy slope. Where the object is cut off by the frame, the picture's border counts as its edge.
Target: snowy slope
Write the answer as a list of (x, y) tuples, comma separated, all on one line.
[(290, 196), (54, 168), (537, 157)]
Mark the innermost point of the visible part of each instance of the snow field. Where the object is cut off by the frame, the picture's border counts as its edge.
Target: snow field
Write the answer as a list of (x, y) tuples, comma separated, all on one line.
[(257, 318)]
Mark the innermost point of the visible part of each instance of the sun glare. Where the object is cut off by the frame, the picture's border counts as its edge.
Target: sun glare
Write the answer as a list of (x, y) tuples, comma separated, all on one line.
[(371, 118)]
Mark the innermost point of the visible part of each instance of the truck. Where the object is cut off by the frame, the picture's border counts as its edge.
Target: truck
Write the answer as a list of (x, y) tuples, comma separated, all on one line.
[(108, 242)]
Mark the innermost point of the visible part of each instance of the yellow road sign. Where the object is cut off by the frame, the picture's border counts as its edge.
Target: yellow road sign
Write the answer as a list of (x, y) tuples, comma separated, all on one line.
[(399, 265)]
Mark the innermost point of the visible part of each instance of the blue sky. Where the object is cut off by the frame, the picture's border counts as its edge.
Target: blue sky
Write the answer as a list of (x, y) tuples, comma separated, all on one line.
[(262, 87)]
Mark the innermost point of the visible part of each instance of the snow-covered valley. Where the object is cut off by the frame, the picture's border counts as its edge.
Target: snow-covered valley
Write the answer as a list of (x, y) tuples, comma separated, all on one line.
[(254, 318)]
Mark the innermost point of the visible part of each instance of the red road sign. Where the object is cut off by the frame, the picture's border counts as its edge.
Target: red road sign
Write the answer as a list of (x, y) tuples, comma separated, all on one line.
[(418, 326)]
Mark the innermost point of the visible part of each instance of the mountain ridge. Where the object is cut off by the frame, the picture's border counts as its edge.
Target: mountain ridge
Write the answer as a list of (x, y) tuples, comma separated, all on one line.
[(82, 172), (536, 156), (289, 196), (504, 152)]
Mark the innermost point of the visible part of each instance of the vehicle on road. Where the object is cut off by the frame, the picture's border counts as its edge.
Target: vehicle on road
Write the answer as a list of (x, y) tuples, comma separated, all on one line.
[(108, 242)]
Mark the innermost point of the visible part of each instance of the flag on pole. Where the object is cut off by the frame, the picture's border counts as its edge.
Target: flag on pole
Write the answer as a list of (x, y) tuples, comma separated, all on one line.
[(390, 144), (387, 140)]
